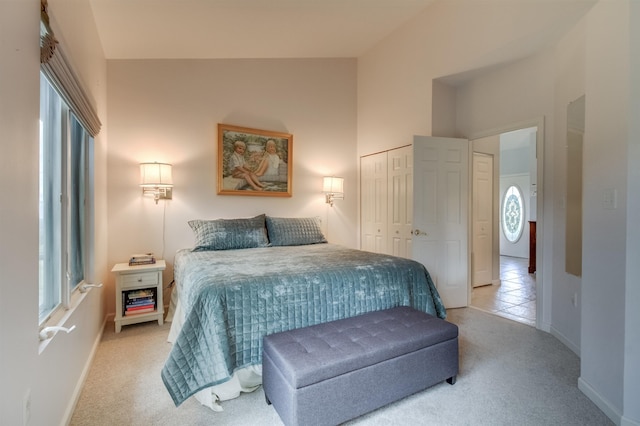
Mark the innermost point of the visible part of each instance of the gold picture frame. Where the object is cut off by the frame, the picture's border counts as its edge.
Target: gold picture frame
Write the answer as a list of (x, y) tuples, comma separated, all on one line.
[(254, 162)]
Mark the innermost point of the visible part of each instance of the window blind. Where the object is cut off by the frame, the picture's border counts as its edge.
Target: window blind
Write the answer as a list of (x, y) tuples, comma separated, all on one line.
[(55, 66)]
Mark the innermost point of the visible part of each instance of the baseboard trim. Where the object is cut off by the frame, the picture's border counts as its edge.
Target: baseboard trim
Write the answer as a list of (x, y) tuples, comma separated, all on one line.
[(83, 377), (544, 326), (604, 405), (568, 343)]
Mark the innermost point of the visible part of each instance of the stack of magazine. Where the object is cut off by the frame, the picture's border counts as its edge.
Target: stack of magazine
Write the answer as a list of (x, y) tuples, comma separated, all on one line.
[(142, 259)]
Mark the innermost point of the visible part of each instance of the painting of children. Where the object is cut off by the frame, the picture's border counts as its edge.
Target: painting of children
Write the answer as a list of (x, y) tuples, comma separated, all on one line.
[(254, 162)]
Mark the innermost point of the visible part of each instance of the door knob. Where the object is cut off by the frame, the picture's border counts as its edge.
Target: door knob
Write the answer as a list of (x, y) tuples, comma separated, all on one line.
[(417, 232)]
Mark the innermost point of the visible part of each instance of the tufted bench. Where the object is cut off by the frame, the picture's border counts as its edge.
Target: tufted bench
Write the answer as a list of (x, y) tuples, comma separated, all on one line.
[(333, 372)]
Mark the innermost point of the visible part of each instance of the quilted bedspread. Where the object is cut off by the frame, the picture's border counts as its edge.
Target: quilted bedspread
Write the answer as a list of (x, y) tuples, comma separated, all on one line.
[(231, 299)]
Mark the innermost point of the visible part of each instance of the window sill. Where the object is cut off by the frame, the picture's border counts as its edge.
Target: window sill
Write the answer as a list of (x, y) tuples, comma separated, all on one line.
[(60, 316)]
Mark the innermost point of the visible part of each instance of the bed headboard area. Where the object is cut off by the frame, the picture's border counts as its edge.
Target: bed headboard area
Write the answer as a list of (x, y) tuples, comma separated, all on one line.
[(258, 231)]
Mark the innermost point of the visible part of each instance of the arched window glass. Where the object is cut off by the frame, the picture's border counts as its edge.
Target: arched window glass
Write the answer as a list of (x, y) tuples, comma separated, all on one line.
[(512, 214)]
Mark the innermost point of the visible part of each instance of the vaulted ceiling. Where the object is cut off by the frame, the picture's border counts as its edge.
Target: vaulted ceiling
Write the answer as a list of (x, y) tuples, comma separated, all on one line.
[(153, 29)]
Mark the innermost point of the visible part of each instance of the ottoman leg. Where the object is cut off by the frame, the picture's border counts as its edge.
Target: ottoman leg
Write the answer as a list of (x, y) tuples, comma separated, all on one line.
[(451, 380)]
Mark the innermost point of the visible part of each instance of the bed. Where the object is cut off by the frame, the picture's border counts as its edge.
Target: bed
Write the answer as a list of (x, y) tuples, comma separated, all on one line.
[(246, 278)]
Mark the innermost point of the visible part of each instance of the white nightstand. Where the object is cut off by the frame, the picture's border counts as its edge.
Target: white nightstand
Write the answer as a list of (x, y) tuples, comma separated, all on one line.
[(138, 293)]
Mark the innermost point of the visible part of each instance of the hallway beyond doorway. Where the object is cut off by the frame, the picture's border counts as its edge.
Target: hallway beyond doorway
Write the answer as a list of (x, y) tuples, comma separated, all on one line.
[(514, 298)]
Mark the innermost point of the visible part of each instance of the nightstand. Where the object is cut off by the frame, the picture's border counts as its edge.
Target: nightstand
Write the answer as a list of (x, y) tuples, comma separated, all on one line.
[(138, 293)]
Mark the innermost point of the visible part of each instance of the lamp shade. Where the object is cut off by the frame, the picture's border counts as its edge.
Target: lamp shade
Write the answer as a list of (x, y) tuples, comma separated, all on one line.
[(155, 175), (333, 185)]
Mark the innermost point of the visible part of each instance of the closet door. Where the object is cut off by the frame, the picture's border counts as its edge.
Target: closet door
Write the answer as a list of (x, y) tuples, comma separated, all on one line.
[(400, 196), (373, 202), (482, 220)]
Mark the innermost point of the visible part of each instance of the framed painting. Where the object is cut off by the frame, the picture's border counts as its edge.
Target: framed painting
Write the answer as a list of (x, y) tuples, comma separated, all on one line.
[(254, 162)]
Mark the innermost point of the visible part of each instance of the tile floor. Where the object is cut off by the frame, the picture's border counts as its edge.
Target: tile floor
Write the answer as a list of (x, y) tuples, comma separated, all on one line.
[(515, 297)]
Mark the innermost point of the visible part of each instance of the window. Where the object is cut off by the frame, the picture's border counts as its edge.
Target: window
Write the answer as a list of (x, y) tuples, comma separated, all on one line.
[(512, 214), (66, 188)]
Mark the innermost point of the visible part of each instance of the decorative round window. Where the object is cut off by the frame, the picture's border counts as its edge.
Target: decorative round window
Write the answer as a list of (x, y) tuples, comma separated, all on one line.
[(512, 214)]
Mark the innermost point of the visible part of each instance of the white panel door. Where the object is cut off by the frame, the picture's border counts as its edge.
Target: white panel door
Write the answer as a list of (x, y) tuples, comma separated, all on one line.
[(373, 203), (482, 223), (400, 211), (441, 214)]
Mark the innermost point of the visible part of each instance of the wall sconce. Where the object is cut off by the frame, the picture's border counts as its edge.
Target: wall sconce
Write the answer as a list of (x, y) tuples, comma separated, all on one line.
[(155, 178), (333, 187)]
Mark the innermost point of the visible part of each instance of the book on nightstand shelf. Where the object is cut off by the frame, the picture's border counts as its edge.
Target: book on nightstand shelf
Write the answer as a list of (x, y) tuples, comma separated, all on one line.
[(138, 301), (142, 259), (148, 293), (138, 311)]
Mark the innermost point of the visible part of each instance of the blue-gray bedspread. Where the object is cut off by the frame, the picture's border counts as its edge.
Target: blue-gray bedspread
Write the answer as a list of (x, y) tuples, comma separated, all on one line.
[(231, 299)]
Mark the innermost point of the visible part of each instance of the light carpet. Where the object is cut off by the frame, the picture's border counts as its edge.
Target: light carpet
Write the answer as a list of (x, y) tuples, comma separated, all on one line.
[(510, 374)]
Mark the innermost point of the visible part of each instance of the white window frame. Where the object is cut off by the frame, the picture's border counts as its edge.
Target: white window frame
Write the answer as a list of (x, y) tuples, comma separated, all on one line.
[(67, 295)]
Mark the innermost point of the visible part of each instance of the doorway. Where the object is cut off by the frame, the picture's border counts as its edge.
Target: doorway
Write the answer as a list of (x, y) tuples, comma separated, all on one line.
[(514, 298), (513, 291)]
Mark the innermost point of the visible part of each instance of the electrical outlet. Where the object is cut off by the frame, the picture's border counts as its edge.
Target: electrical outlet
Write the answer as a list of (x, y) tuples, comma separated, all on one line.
[(574, 300), (26, 407)]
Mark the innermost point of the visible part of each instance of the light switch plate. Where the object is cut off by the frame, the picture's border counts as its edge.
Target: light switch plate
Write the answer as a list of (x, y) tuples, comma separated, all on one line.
[(610, 199)]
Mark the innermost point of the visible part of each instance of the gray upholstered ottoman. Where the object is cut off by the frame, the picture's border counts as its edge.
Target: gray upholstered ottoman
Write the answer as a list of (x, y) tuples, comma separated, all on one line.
[(329, 373)]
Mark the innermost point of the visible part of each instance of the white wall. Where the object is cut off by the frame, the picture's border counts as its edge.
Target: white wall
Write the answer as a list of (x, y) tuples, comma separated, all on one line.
[(632, 297), (395, 78), (168, 111), (52, 378), (456, 37), (605, 167), (19, 103), (569, 59)]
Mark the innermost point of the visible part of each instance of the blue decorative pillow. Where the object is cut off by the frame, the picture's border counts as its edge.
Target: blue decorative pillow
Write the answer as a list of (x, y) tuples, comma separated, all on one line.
[(289, 231), (229, 234)]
